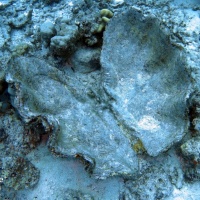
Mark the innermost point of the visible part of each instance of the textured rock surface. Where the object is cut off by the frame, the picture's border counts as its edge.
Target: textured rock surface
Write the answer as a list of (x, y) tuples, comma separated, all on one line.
[(192, 148), (153, 184), (85, 128), (47, 30), (33, 92), (86, 60), (65, 38), (147, 80), (140, 107), (18, 173)]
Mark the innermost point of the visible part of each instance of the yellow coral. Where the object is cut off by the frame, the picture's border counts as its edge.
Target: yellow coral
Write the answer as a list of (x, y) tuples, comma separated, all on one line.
[(105, 18), (138, 147), (106, 13)]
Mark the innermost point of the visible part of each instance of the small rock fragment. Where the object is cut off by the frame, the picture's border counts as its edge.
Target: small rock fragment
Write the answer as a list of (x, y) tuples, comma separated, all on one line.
[(21, 20), (65, 39), (191, 148), (86, 60), (47, 30), (18, 173), (153, 184)]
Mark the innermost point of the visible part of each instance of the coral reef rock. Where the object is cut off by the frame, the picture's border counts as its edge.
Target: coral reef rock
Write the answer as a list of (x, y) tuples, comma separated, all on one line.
[(146, 79), (82, 128), (141, 93), (153, 184)]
